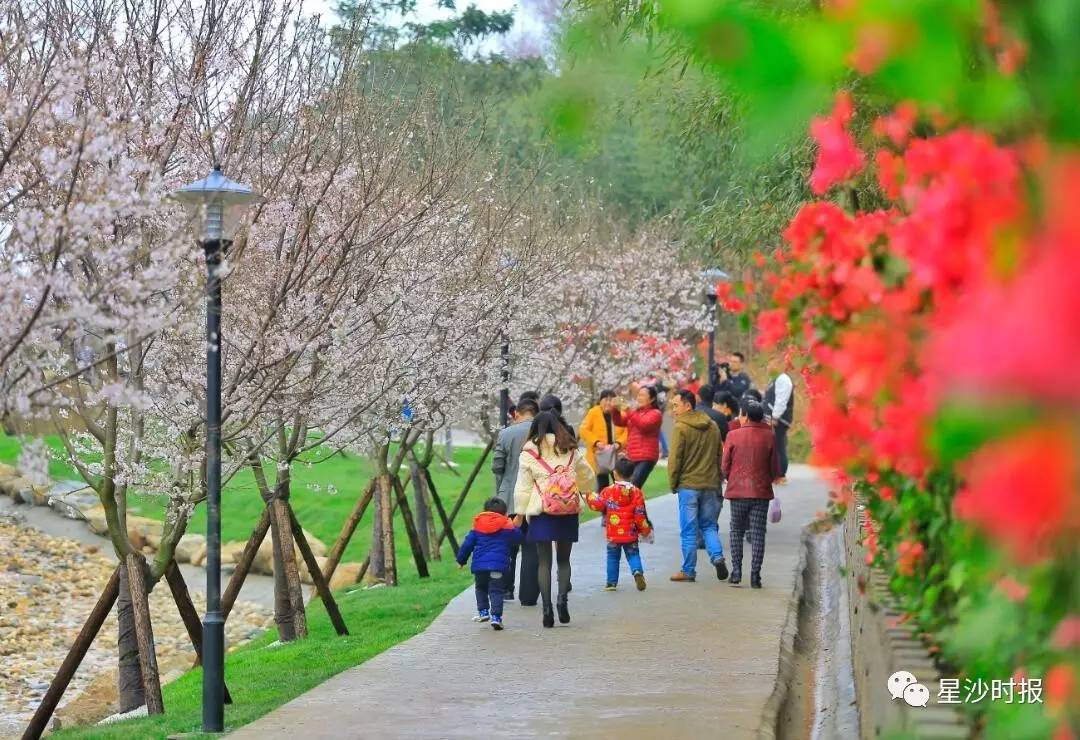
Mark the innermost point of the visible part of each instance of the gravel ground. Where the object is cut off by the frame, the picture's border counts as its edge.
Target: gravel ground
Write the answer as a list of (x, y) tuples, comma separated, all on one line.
[(47, 587)]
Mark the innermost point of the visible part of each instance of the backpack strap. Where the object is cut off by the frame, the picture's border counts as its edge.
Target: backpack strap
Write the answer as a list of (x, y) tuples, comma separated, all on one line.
[(542, 461)]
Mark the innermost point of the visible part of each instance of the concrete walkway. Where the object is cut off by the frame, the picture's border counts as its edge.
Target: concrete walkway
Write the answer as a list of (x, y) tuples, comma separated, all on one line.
[(678, 660)]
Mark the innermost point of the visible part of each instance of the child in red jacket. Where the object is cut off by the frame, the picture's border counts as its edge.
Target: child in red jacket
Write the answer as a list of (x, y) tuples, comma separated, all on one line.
[(623, 507)]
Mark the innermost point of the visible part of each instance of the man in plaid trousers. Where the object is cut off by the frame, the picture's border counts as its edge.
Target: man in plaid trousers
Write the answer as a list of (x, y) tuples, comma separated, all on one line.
[(750, 465)]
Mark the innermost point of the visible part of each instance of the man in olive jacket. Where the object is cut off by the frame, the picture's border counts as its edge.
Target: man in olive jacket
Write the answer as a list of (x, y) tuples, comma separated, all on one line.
[(694, 475)]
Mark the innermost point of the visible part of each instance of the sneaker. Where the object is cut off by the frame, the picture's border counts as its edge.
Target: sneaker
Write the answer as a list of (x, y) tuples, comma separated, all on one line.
[(755, 581), (496, 623), (483, 616), (609, 587), (735, 579), (639, 579), (721, 569), (681, 577)]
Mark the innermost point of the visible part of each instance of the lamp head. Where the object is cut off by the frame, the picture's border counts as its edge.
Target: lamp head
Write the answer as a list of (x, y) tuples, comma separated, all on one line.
[(216, 204), (711, 277)]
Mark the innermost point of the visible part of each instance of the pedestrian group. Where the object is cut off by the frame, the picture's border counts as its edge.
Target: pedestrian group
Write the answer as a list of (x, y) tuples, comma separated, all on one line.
[(728, 441)]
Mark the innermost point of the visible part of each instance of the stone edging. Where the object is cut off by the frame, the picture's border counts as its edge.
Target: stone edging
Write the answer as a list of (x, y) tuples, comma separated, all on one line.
[(883, 644), (770, 716)]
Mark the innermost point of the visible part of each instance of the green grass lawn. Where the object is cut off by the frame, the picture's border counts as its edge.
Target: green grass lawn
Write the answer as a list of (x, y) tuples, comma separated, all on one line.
[(262, 679)]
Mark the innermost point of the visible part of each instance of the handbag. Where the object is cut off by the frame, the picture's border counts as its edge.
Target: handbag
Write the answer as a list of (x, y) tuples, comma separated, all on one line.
[(605, 459), (774, 511)]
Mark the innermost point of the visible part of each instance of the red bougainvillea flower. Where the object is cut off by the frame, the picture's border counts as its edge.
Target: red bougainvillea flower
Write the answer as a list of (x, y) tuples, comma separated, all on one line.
[(1060, 685), (1029, 318), (1029, 323), (772, 327), (908, 555), (897, 125), (838, 158), (1020, 491), (1067, 633), (1012, 589)]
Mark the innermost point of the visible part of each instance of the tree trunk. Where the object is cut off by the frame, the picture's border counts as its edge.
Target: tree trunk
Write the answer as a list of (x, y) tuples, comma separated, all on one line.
[(410, 528), (144, 633), (422, 514), (386, 497), (283, 614), (295, 591), (129, 682), (377, 567)]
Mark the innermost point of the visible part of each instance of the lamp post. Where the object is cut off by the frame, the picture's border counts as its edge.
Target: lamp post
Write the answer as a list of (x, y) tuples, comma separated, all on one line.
[(711, 277), (216, 204), (506, 263)]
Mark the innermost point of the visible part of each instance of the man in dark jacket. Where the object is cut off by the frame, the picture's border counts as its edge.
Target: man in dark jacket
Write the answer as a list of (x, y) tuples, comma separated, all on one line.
[(694, 475), (736, 382), (750, 465), (705, 406), (504, 464)]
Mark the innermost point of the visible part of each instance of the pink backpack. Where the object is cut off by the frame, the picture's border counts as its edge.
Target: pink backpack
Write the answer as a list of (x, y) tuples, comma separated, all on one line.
[(560, 495)]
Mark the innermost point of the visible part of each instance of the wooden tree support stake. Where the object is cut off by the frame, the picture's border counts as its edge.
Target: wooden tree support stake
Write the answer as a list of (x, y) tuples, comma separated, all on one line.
[(188, 613), (44, 712), (410, 529), (464, 493), (144, 633), (321, 583), (333, 558), (246, 559), (448, 529)]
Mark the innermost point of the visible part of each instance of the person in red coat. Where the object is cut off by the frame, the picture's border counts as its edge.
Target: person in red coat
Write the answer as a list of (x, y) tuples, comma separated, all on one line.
[(643, 433), (750, 464), (625, 521)]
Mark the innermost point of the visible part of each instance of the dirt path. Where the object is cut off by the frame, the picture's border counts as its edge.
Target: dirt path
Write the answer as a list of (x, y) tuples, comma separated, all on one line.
[(679, 660)]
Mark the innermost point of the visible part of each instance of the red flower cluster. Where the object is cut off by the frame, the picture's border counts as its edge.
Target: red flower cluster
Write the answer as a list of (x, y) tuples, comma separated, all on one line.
[(948, 289), (838, 158)]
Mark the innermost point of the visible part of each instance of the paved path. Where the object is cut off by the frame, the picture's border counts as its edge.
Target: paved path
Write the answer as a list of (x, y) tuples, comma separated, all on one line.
[(679, 660)]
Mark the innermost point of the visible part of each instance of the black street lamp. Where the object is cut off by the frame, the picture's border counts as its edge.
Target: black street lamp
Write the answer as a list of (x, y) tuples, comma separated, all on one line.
[(712, 276), (507, 264), (217, 204)]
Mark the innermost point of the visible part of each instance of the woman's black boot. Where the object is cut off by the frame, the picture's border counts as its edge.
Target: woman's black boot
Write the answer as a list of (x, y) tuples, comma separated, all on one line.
[(549, 616), (564, 610)]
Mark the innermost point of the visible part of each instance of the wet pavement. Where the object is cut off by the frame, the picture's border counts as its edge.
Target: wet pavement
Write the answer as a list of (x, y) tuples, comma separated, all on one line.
[(677, 660)]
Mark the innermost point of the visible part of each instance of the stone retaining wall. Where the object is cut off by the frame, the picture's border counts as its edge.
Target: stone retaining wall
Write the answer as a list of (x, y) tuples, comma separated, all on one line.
[(882, 645)]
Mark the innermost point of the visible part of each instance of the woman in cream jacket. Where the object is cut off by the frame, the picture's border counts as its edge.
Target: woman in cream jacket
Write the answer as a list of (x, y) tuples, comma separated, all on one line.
[(555, 445)]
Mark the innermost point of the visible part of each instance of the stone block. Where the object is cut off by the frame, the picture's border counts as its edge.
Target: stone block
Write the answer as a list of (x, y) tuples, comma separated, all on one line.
[(188, 546)]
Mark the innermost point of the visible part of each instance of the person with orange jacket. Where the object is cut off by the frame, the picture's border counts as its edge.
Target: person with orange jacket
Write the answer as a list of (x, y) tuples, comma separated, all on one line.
[(626, 521), (599, 430)]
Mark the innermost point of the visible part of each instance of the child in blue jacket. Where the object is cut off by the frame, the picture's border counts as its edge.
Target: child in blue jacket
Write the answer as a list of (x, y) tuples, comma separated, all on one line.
[(492, 536)]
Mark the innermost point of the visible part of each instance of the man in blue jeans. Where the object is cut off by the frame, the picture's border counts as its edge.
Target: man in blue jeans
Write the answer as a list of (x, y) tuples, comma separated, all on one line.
[(694, 475)]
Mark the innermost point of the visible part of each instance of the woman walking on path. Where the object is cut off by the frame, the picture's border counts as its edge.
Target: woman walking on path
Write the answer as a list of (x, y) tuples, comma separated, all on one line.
[(750, 465), (552, 449), (599, 430), (643, 438)]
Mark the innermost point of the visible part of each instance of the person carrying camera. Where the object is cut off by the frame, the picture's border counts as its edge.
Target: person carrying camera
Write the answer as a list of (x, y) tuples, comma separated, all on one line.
[(735, 380)]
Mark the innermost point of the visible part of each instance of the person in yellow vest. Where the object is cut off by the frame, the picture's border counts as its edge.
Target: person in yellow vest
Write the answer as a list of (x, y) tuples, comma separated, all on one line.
[(599, 430)]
